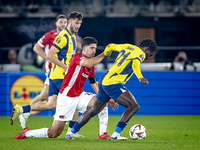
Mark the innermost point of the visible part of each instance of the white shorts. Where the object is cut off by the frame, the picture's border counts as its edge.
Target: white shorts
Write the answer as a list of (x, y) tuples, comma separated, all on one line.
[(46, 81), (66, 106)]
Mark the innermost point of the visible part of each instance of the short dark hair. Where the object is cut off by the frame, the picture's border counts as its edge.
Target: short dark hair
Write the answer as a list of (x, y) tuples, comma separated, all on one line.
[(149, 43), (74, 15), (60, 16), (89, 41)]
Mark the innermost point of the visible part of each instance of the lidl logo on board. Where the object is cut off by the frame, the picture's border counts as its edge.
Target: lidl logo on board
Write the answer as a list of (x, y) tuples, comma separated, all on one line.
[(24, 89)]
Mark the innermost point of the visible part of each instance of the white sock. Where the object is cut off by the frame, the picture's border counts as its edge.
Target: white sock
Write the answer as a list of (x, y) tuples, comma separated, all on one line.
[(21, 110), (39, 133), (115, 134), (26, 115), (23, 119), (69, 130), (103, 120)]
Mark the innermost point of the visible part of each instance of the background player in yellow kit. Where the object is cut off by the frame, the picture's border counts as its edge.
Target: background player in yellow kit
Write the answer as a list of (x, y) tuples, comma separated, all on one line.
[(60, 54), (111, 84), (46, 42)]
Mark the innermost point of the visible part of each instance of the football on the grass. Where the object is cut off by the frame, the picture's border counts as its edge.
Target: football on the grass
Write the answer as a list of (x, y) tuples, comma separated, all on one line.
[(138, 132)]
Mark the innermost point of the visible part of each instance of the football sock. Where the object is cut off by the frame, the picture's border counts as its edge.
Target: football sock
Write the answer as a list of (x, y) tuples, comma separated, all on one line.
[(76, 128), (72, 123), (120, 127), (27, 115), (115, 134), (103, 120), (69, 129), (40, 133), (25, 109)]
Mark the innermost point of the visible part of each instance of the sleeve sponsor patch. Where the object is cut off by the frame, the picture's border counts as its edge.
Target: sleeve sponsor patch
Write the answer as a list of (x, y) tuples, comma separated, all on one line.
[(57, 41), (141, 57)]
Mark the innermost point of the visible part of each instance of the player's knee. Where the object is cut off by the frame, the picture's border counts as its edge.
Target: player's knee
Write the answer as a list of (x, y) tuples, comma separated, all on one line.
[(92, 112), (136, 107), (53, 134), (89, 107)]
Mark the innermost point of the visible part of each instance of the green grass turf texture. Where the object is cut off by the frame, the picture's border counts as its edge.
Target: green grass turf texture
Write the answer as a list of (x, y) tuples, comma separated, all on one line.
[(163, 133)]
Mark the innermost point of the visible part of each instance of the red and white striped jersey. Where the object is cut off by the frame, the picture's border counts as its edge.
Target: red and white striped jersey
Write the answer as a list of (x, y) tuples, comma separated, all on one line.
[(47, 41), (75, 76)]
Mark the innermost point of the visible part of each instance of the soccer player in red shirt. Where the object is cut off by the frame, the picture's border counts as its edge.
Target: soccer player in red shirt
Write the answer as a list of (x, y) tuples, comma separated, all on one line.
[(71, 97), (64, 46)]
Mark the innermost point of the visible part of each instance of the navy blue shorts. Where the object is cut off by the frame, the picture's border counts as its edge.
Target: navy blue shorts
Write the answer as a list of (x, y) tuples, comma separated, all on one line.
[(108, 92), (54, 86)]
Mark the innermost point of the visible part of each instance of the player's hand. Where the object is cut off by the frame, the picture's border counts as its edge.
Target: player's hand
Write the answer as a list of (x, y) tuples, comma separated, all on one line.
[(143, 81), (65, 67), (48, 60), (107, 50), (108, 55), (113, 104)]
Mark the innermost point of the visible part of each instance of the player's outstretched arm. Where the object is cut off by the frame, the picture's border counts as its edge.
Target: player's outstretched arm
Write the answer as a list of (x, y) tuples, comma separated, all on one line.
[(95, 87), (90, 62), (109, 48), (136, 69), (38, 49), (112, 47), (51, 56)]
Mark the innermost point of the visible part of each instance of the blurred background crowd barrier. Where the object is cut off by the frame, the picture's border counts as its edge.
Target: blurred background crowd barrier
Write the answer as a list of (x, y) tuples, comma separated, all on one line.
[(174, 25)]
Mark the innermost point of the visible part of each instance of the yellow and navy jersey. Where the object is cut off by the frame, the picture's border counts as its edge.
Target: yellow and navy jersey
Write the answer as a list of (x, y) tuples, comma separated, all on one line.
[(127, 62), (65, 43)]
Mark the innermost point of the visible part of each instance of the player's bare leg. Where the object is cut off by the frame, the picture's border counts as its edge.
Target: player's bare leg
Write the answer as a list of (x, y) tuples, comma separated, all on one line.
[(39, 106), (50, 105), (103, 120), (41, 97), (56, 128), (75, 117), (127, 100)]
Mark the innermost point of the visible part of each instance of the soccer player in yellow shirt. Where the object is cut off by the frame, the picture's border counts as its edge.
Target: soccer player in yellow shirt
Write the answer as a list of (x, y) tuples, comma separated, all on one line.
[(45, 42), (111, 84), (60, 54)]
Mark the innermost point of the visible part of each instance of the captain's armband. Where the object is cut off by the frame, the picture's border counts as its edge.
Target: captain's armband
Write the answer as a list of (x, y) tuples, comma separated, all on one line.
[(92, 80)]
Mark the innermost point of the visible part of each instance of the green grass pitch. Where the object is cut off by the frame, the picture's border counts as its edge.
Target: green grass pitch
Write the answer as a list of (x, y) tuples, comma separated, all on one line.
[(163, 133)]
